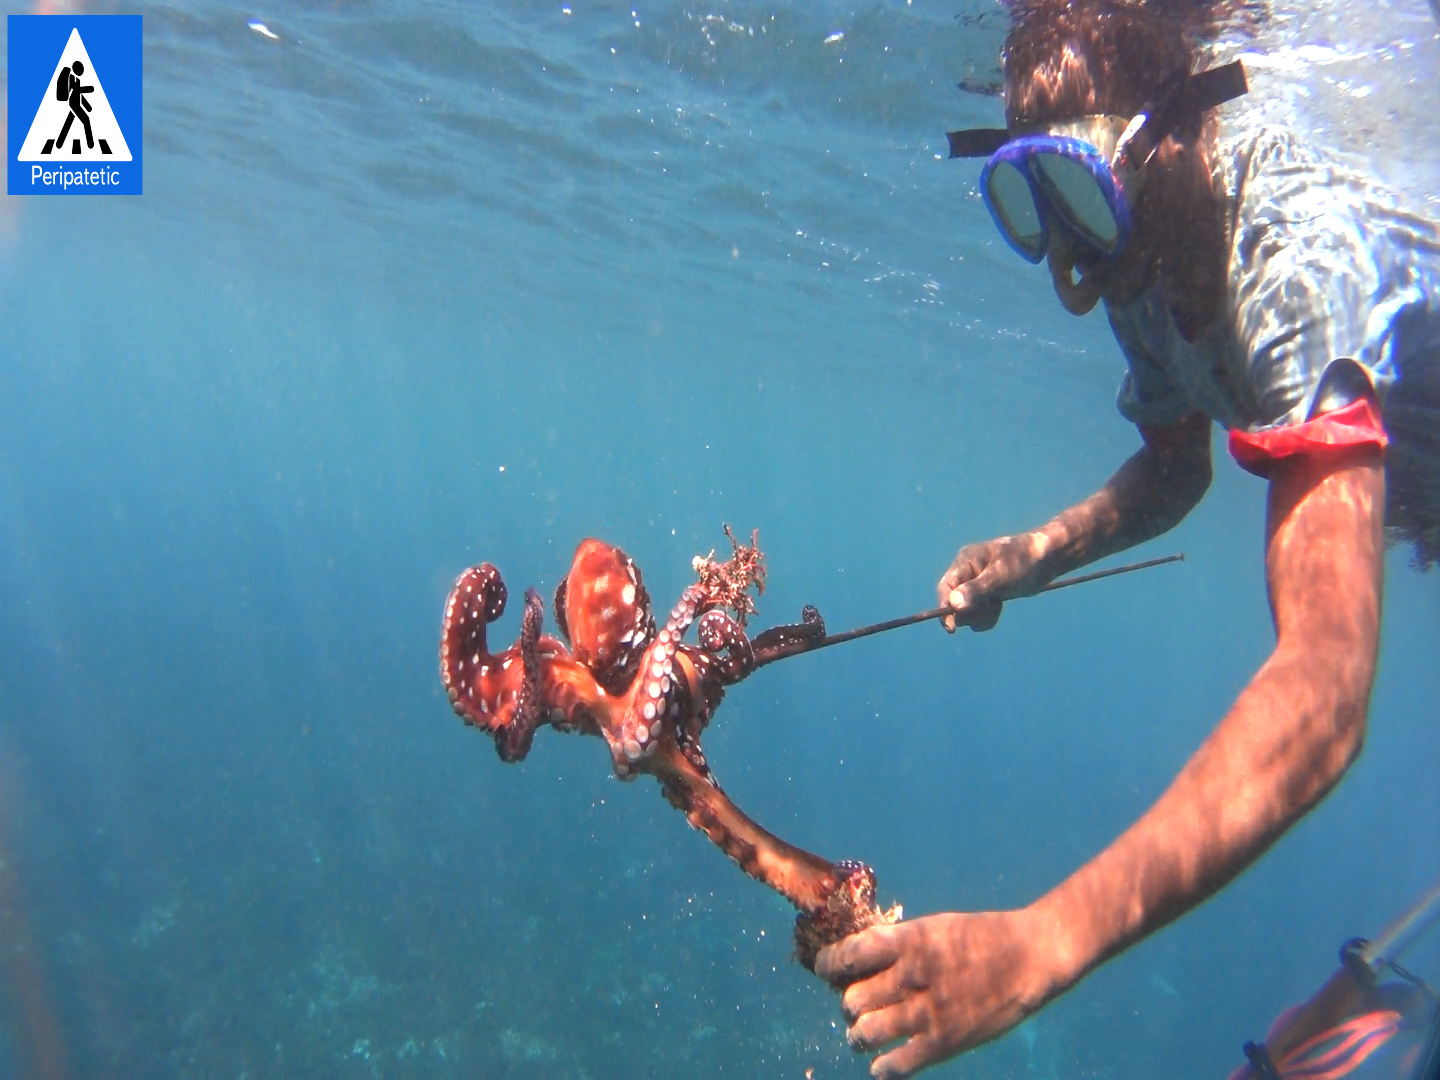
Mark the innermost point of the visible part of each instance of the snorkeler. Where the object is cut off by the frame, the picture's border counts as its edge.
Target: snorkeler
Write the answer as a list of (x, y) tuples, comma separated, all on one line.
[(1250, 282)]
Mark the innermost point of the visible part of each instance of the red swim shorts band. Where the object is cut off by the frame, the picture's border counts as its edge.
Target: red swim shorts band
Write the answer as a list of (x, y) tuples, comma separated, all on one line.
[(1357, 424)]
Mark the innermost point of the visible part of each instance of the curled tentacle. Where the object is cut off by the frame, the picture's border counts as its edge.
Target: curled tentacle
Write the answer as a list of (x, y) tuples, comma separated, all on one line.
[(560, 592), (477, 598), (815, 626), (512, 743), (707, 690), (783, 639), (697, 693), (718, 632)]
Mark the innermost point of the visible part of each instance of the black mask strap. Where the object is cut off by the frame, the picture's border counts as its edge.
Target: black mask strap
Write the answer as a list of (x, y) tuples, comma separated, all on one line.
[(976, 142), (1186, 97)]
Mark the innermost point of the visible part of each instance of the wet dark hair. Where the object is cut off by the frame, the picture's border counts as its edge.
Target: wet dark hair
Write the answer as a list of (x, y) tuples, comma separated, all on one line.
[(1068, 58)]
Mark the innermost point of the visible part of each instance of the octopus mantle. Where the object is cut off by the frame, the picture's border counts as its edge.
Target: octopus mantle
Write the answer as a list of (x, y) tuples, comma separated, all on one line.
[(649, 695)]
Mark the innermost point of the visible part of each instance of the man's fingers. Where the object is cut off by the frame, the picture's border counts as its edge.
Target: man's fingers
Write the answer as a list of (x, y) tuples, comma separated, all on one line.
[(956, 586), (985, 614), (905, 1060), (858, 955), (971, 592), (881, 989), (876, 1029), (972, 607), (963, 569), (943, 591)]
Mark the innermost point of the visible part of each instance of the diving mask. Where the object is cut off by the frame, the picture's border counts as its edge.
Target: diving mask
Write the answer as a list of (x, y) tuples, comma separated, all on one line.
[(1075, 175), (1084, 175)]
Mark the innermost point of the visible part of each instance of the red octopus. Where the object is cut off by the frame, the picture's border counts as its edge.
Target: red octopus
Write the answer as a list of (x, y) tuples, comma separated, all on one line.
[(649, 696)]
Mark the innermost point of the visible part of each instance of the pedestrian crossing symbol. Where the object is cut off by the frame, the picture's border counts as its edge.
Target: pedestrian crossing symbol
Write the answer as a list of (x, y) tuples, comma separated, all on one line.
[(74, 141), (76, 86)]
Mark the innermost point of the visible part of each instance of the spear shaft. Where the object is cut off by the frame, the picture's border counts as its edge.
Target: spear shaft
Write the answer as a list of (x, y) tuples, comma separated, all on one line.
[(795, 648)]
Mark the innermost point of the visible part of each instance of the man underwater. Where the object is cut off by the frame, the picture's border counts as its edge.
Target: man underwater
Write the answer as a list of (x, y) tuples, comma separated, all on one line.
[(1249, 282)]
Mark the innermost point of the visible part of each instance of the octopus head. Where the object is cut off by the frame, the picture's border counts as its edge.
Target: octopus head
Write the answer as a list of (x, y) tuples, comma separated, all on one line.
[(604, 610)]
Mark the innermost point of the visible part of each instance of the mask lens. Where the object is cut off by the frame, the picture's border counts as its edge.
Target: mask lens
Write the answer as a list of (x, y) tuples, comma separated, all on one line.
[(1077, 195), (1010, 197)]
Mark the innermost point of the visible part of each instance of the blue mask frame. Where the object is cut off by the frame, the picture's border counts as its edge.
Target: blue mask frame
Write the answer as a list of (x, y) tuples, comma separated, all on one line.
[(1049, 204)]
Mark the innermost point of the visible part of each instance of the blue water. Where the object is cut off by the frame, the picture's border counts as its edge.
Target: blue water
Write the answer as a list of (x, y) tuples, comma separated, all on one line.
[(413, 287)]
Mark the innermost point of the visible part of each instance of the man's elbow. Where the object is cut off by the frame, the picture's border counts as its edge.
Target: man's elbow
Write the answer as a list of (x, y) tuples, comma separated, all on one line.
[(1323, 685), (1322, 751), (1338, 712), (1349, 735), (1194, 478), (1182, 485), (1344, 671), (1352, 707), (1183, 467)]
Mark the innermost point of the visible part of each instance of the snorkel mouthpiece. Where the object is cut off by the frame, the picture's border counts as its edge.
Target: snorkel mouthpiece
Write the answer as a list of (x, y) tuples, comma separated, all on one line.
[(1077, 291)]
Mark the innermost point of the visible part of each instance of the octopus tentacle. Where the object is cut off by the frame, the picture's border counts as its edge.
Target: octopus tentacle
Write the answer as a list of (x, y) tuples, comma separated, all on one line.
[(810, 629), (835, 899), (849, 907), (476, 599), (811, 620), (717, 631), (560, 594), (804, 879), (654, 699), (513, 742), (698, 693)]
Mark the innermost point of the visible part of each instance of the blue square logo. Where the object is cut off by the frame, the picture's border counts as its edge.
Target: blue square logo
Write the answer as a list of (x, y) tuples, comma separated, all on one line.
[(74, 105)]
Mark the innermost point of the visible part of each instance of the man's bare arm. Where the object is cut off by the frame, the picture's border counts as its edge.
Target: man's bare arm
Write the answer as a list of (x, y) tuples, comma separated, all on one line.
[(948, 982), (1149, 495), (1286, 741)]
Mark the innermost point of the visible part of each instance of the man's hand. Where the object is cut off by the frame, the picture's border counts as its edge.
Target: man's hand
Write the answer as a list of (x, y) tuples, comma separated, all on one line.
[(984, 576), (949, 982)]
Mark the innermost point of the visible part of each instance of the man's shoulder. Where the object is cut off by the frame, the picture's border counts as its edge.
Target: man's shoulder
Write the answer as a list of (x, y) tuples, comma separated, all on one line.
[(1269, 172), (1264, 143)]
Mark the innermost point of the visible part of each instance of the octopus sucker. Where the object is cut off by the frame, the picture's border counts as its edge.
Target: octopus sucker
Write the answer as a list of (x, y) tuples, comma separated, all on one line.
[(650, 697)]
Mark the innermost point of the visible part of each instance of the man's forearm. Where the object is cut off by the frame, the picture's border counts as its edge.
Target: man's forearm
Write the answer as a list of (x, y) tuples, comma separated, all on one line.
[(1282, 746), (1149, 495)]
